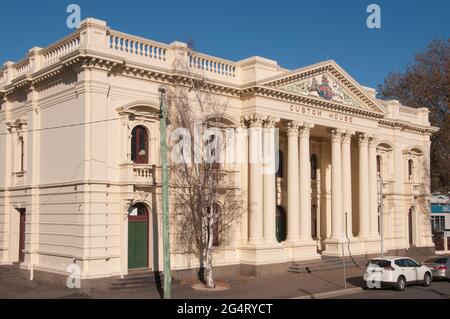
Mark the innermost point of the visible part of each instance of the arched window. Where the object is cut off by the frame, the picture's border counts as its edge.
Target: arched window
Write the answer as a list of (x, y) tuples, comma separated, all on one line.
[(313, 166), (379, 165), (139, 145), (280, 161), (281, 224), (410, 169), (314, 221), (137, 211)]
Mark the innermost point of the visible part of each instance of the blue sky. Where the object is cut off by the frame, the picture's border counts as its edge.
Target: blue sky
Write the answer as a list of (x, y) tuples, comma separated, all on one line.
[(295, 33)]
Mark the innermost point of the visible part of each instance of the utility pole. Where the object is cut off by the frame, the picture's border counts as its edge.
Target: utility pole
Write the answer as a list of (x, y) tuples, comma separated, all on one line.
[(380, 205), (165, 195)]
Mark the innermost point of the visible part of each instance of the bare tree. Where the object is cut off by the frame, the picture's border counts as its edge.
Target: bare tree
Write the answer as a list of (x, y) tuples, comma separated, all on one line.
[(426, 83), (206, 202)]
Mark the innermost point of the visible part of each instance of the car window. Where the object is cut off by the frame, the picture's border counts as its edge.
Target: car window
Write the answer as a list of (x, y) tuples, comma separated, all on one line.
[(400, 263), (379, 262), (411, 263), (436, 260)]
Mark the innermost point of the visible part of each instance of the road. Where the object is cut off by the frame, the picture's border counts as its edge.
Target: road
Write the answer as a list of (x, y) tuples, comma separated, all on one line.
[(437, 290)]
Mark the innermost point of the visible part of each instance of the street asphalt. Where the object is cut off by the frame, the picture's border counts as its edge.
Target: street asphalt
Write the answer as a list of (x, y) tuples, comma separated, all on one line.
[(437, 290)]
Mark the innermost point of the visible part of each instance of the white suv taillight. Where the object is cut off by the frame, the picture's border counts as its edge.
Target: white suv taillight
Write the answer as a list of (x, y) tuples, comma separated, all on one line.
[(442, 267), (390, 268)]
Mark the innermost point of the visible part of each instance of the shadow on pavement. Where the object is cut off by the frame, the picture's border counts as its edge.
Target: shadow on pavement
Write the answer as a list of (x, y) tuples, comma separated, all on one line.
[(357, 281)]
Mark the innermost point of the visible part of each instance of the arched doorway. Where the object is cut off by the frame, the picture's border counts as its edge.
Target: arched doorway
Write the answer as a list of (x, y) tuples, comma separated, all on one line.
[(410, 226), (139, 145), (281, 224), (138, 237)]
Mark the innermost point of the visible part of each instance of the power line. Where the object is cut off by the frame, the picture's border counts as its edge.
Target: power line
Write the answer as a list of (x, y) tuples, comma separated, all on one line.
[(66, 126)]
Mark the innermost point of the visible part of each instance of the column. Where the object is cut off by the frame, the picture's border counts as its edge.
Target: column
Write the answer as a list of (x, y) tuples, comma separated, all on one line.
[(373, 187), (241, 152), (305, 183), (293, 183), (337, 230), (347, 183), (364, 227), (269, 169), (255, 179)]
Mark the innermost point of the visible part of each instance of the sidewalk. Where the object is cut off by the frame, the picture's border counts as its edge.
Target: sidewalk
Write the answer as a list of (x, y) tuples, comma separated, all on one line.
[(288, 285)]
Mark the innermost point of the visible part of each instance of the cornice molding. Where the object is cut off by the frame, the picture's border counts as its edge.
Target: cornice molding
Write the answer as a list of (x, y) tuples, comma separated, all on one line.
[(83, 59), (407, 126)]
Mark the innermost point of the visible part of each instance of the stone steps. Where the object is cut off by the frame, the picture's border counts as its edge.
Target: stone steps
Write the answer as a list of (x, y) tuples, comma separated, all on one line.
[(327, 263), (139, 280)]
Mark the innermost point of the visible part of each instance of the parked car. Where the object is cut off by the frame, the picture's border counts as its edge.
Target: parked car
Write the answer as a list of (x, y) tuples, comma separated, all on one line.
[(397, 272), (440, 267)]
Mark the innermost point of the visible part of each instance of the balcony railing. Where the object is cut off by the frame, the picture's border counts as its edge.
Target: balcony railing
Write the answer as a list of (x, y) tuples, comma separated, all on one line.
[(138, 174), (95, 37)]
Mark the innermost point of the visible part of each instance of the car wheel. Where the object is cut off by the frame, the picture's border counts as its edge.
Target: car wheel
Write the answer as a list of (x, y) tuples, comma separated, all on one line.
[(401, 283), (427, 280)]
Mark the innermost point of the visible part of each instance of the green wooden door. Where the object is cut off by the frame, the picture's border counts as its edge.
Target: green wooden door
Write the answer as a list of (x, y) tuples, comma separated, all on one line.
[(137, 244)]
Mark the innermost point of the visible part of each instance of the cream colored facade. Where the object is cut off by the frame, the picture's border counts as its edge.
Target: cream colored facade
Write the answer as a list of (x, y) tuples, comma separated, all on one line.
[(67, 112)]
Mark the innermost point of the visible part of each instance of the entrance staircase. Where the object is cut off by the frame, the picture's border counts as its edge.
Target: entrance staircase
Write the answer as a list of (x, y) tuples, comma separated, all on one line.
[(141, 279), (328, 263)]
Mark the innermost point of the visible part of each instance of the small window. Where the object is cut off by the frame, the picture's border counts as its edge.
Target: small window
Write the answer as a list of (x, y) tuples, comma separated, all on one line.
[(379, 165), (139, 145), (410, 169), (313, 166), (22, 154)]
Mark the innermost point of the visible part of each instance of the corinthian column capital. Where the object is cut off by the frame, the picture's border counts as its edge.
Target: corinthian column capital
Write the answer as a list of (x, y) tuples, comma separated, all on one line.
[(336, 135), (270, 122), (254, 120), (347, 136), (292, 128), (363, 138), (305, 129), (373, 141)]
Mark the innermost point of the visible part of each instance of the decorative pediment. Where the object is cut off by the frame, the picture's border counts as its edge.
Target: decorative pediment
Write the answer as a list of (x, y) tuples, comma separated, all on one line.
[(329, 82)]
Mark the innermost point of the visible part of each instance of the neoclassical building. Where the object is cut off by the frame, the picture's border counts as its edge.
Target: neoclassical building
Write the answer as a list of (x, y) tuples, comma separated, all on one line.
[(80, 178)]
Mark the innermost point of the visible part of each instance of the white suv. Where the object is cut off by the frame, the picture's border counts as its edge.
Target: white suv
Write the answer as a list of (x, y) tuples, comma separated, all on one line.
[(397, 272)]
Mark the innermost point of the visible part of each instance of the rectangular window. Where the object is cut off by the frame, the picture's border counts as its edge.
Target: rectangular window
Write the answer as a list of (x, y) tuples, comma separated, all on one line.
[(438, 223)]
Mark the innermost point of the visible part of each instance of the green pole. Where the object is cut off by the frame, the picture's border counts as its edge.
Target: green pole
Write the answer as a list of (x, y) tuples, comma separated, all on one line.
[(165, 196)]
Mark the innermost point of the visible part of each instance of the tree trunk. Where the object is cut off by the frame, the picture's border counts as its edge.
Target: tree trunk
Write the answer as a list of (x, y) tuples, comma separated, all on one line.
[(209, 270)]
